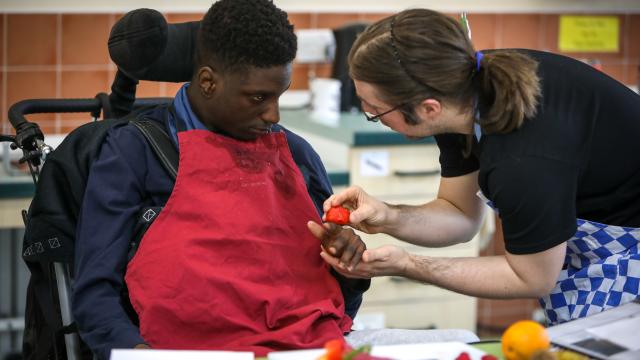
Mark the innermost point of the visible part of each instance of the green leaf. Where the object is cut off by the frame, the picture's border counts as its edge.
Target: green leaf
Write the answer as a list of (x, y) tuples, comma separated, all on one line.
[(352, 354)]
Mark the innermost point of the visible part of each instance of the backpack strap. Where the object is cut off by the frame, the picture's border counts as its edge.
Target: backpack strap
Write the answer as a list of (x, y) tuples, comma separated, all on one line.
[(167, 153), (161, 144), (146, 217)]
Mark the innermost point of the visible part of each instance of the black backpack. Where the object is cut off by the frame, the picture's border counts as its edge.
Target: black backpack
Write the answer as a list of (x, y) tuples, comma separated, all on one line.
[(50, 226)]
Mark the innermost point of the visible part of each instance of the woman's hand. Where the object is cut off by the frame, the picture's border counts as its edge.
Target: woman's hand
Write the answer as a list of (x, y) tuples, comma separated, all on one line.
[(387, 260), (367, 213), (342, 243)]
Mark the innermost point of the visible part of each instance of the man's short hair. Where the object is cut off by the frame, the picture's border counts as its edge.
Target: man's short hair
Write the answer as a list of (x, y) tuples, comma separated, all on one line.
[(238, 33)]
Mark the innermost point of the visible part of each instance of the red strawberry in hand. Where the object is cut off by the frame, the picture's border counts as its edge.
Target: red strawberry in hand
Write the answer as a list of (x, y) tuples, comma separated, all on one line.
[(338, 215)]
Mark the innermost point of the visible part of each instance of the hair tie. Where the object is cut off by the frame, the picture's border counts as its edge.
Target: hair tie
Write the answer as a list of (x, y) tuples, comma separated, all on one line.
[(479, 56)]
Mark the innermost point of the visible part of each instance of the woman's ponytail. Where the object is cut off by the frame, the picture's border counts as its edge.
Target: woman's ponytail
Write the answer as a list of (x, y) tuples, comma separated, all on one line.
[(509, 90)]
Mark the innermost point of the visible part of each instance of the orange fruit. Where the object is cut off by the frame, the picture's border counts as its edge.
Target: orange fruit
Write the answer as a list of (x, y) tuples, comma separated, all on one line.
[(522, 339)]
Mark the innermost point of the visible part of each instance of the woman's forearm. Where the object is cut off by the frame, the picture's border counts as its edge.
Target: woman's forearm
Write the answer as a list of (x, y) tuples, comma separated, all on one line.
[(434, 224), (505, 277)]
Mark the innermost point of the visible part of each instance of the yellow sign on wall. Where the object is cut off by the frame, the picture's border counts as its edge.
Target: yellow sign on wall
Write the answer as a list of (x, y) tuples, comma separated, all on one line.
[(589, 34)]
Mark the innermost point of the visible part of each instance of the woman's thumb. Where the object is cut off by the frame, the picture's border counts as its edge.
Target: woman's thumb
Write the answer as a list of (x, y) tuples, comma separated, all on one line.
[(371, 255)]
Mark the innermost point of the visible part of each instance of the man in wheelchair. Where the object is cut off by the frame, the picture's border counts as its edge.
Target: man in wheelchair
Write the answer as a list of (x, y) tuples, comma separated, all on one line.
[(229, 263)]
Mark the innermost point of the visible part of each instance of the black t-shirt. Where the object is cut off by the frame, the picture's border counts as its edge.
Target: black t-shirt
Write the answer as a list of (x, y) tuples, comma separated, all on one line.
[(578, 158)]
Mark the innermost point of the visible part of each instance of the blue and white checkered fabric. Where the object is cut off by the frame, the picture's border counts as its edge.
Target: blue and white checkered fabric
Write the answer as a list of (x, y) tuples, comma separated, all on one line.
[(602, 271)]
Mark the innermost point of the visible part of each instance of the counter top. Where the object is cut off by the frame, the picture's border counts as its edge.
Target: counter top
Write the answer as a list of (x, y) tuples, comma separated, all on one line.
[(16, 187), (351, 129)]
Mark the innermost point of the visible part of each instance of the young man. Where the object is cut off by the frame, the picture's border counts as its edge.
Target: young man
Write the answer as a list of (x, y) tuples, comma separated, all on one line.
[(229, 262)]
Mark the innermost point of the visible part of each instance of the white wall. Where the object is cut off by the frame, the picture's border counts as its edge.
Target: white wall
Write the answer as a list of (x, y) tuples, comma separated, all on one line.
[(372, 6)]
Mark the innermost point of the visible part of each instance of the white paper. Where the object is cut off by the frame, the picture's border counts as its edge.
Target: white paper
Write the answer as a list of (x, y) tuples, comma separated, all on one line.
[(621, 332), (374, 163), (436, 351), (131, 354), (315, 45)]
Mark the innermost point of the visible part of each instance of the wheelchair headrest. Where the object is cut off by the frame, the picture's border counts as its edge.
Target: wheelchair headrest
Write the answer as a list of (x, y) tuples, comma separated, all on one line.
[(145, 47)]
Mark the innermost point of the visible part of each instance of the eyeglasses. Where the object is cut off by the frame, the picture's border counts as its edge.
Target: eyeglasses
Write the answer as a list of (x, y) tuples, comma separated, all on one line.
[(375, 118)]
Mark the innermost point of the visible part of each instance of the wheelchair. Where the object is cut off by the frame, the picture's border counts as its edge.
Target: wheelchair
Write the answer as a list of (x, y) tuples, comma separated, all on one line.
[(144, 47)]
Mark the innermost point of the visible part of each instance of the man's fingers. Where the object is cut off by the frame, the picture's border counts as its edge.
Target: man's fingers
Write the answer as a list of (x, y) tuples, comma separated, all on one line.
[(334, 262), (357, 256), (329, 259), (357, 274), (347, 253), (323, 232), (352, 252), (317, 230)]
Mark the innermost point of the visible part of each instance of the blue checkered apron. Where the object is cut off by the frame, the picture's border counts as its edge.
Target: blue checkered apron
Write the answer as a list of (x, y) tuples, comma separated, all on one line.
[(601, 270)]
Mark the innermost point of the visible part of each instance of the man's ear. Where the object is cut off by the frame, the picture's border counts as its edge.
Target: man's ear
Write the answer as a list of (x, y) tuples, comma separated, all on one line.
[(207, 80), (429, 109)]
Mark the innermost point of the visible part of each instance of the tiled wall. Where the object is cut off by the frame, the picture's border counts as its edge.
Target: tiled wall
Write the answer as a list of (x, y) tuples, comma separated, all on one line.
[(65, 55)]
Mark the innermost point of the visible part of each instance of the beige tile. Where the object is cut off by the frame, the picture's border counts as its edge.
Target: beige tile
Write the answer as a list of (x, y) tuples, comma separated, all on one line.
[(116, 17), (633, 37), (47, 126), (502, 313), (633, 74), (70, 121), (2, 18), (332, 21), (83, 84), (180, 18), (31, 39), (84, 39), (31, 85), (496, 246), (323, 70), (171, 89), (148, 89), (520, 31), (551, 29), (374, 17), (67, 127), (300, 77), (4, 122), (483, 30), (616, 71), (300, 20)]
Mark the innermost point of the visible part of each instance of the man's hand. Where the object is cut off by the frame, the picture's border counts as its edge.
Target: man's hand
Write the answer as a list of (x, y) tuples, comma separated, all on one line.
[(142, 346), (342, 243), (368, 214), (387, 260)]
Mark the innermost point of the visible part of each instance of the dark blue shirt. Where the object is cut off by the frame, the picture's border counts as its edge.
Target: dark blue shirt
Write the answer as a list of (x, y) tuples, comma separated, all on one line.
[(124, 178)]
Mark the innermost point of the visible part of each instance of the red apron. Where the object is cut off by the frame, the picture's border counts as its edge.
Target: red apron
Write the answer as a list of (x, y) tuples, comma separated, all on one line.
[(230, 264)]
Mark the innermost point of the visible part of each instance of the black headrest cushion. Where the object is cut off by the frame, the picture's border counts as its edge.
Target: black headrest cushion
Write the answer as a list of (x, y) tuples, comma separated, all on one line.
[(145, 47)]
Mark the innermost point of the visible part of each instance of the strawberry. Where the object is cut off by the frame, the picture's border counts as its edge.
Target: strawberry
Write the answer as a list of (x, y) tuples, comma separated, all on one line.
[(338, 215)]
